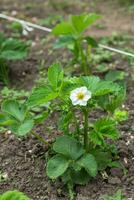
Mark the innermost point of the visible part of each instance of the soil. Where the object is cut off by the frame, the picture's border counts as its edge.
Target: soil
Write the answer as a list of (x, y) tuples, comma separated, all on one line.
[(23, 161)]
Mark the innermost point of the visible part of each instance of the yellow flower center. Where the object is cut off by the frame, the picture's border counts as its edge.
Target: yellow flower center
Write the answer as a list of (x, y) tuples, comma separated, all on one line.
[(80, 95)]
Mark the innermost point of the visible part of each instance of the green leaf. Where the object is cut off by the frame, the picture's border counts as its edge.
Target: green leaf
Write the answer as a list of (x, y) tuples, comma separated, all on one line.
[(65, 120), (75, 25), (41, 117), (115, 75), (99, 87), (13, 195), (106, 87), (68, 147), (90, 82), (120, 115), (82, 22), (102, 158), (106, 127), (113, 102), (89, 163), (91, 41), (96, 137), (64, 41), (55, 76), (103, 124), (64, 28), (13, 49), (56, 166), (41, 95), (5, 120), (68, 85), (2, 38), (13, 108), (80, 177), (22, 129), (25, 127), (13, 55), (116, 196)]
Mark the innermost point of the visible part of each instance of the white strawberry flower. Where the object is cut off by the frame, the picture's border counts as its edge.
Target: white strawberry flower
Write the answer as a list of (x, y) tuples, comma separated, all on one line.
[(80, 96)]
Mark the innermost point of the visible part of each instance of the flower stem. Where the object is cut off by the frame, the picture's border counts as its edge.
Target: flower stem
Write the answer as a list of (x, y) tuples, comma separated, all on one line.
[(86, 129), (77, 125), (41, 139), (71, 193)]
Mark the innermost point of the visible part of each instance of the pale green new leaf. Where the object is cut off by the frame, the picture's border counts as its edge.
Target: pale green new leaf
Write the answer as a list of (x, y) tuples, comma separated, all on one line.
[(96, 137), (106, 127), (55, 76), (56, 166), (89, 163), (13, 195), (68, 147), (104, 123)]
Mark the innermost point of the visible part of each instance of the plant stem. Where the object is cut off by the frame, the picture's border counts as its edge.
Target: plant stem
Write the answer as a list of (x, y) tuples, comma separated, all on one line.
[(77, 125), (71, 193), (84, 63), (41, 139), (86, 129)]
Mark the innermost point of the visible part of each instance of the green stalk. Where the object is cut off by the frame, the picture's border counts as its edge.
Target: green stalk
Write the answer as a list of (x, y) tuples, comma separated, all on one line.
[(4, 72), (41, 139), (84, 62), (86, 144), (76, 124), (70, 190)]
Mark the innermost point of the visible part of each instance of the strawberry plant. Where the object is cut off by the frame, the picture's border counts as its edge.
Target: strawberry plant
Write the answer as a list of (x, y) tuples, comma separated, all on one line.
[(10, 49), (71, 35), (83, 148)]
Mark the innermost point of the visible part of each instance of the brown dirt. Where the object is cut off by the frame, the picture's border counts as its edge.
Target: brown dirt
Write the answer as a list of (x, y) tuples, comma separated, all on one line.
[(24, 160)]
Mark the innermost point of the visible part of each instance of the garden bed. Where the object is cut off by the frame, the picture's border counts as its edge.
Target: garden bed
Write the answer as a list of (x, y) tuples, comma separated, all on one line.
[(23, 161)]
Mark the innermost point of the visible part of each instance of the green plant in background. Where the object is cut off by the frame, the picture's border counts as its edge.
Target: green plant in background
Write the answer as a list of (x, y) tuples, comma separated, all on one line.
[(132, 66), (17, 27), (12, 195), (10, 49), (50, 20), (117, 196), (82, 150), (8, 93), (19, 120), (71, 35)]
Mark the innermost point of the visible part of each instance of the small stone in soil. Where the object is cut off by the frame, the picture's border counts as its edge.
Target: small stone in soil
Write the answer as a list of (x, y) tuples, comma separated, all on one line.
[(116, 172), (114, 180)]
